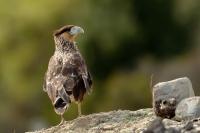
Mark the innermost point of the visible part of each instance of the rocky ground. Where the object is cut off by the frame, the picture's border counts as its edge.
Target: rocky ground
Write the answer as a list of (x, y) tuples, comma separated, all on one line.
[(123, 121), (173, 99)]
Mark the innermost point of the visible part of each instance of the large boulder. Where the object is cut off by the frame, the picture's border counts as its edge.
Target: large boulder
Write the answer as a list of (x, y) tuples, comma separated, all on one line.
[(167, 95)]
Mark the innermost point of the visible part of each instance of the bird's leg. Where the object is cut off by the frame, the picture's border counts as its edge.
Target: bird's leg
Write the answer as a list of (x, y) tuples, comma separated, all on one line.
[(62, 120), (79, 109)]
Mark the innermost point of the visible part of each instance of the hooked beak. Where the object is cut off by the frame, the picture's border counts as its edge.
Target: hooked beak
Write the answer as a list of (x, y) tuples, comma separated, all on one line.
[(76, 30)]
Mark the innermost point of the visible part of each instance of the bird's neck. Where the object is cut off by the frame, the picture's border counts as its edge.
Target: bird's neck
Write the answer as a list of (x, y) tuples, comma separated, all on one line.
[(63, 45)]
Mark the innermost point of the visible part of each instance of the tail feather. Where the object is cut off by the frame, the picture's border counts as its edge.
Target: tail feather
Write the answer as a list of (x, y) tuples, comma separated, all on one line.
[(63, 94), (59, 103)]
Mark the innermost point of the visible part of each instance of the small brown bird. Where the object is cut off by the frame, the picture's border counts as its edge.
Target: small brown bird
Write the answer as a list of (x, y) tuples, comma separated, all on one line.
[(67, 78)]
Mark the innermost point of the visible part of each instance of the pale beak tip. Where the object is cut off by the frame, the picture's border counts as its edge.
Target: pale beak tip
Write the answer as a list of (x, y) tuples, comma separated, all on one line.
[(76, 30)]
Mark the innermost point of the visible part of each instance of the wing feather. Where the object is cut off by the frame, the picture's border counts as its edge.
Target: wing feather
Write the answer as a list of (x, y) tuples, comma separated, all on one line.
[(67, 77), (51, 78), (75, 71)]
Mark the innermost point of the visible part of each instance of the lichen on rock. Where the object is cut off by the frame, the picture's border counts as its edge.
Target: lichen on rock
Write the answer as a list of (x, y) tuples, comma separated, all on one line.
[(113, 121), (122, 121)]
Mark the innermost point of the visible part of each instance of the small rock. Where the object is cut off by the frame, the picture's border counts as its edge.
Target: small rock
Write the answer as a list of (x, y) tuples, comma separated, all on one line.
[(169, 123), (188, 126), (156, 126), (165, 108), (166, 96), (188, 109)]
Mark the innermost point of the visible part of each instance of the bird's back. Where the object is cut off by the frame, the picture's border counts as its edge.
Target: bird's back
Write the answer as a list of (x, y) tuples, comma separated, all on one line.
[(67, 78), (78, 79)]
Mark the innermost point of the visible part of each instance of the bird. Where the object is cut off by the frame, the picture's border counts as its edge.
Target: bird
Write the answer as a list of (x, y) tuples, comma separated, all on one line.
[(67, 78)]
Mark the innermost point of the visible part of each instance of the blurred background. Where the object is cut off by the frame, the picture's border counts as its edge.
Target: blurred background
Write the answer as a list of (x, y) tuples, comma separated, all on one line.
[(125, 42)]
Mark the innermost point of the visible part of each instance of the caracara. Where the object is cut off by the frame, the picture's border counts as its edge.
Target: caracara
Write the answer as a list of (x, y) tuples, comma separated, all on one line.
[(67, 78)]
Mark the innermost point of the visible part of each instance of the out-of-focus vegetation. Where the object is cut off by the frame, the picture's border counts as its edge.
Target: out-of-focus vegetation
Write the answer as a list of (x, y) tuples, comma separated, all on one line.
[(124, 43)]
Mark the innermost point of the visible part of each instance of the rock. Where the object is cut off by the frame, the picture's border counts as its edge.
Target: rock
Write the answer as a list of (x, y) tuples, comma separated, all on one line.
[(157, 126), (167, 95), (188, 126), (165, 108), (188, 109), (107, 122), (170, 123), (123, 121)]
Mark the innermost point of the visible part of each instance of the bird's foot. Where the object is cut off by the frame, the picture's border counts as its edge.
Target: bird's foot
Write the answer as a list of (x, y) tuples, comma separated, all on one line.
[(79, 110), (62, 121)]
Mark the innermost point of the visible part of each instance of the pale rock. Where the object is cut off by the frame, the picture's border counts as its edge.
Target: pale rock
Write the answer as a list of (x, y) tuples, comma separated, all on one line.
[(167, 95), (188, 109)]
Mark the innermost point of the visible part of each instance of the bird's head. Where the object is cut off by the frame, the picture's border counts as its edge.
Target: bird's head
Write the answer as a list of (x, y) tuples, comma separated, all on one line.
[(68, 32)]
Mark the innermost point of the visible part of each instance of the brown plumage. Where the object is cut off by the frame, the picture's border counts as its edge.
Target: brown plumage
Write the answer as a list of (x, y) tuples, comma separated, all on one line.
[(67, 78)]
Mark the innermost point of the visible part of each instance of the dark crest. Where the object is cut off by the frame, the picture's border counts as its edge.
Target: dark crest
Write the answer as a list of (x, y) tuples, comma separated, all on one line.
[(65, 28)]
